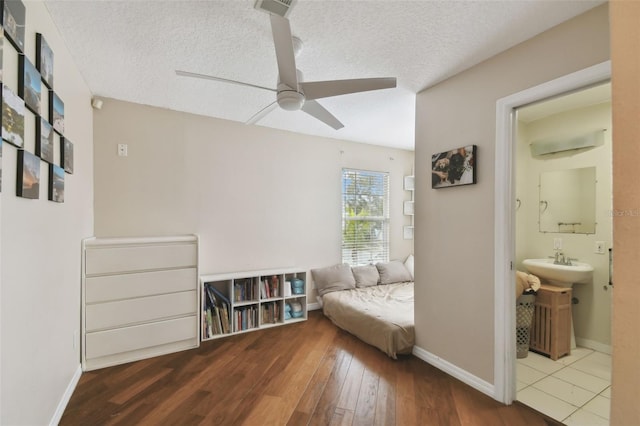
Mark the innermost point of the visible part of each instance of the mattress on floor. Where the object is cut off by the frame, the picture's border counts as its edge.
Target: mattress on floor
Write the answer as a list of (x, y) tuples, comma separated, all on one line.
[(380, 315)]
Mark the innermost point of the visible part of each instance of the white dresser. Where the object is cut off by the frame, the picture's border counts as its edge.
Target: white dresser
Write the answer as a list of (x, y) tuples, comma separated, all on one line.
[(139, 298)]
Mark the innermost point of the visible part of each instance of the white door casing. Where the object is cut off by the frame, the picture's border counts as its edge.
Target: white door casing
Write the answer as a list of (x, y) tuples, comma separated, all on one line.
[(504, 243)]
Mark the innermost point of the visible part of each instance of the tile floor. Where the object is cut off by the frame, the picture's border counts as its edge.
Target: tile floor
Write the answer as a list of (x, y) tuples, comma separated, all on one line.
[(575, 389)]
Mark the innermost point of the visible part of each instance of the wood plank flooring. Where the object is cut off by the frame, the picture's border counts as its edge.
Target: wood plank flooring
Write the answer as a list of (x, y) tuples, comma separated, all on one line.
[(308, 373)]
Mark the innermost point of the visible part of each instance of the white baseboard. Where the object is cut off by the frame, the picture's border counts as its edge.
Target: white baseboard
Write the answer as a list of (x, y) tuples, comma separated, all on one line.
[(591, 344), (455, 371), (62, 405), (313, 306)]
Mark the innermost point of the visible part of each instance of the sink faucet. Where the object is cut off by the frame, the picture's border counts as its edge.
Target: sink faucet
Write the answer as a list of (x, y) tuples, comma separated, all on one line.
[(561, 259)]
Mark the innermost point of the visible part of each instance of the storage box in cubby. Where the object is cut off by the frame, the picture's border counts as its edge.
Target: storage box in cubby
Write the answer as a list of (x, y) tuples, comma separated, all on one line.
[(297, 286), (297, 308)]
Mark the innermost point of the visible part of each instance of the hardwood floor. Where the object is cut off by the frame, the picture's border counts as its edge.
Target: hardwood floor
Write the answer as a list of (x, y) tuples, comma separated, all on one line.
[(308, 373)]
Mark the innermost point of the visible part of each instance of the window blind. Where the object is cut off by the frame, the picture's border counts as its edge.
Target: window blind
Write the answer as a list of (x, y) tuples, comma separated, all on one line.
[(365, 217)]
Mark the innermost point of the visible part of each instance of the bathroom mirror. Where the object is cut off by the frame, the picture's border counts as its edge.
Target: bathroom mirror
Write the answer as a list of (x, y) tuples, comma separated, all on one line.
[(568, 201)]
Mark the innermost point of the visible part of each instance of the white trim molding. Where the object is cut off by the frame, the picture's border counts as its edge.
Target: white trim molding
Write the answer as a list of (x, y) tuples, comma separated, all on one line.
[(504, 220), (66, 397), (313, 306), (592, 344), (455, 371)]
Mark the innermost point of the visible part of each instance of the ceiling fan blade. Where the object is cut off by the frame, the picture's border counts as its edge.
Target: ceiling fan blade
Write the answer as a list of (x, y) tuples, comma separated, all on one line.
[(325, 89), (224, 80), (314, 109), (260, 114), (284, 51)]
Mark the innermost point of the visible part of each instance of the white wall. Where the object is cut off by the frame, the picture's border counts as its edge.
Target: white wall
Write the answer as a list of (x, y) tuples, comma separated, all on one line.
[(40, 243), (259, 198), (454, 244), (592, 315)]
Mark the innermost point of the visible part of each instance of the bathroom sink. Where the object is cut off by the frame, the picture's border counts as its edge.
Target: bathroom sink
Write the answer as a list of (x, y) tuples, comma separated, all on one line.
[(563, 275)]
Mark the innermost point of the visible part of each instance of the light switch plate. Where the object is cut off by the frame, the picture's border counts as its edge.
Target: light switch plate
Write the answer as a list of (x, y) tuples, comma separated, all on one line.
[(600, 247), (557, 243)]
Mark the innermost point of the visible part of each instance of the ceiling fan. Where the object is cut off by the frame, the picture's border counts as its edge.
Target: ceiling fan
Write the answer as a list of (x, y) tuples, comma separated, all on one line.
[(292, 93)]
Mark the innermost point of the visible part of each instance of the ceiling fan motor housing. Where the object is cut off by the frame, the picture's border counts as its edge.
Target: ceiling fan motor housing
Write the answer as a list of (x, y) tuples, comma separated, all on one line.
[(290, 100)]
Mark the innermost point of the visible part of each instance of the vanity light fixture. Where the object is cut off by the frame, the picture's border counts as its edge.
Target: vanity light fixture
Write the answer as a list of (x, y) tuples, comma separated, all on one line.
[(549, 146)]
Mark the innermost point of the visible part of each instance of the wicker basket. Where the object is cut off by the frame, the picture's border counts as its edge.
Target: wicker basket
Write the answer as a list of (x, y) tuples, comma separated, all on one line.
[(524, 319)]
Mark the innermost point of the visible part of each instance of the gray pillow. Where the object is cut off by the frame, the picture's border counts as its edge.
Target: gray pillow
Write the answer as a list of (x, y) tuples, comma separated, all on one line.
[(333, 278), (366, 276), (393, 272)]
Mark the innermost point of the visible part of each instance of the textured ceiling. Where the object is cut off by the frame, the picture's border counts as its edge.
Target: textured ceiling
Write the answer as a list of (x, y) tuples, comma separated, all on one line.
[(129, 50)]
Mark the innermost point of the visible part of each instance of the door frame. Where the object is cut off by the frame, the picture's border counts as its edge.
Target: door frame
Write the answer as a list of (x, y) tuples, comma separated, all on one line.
[(504, 217)]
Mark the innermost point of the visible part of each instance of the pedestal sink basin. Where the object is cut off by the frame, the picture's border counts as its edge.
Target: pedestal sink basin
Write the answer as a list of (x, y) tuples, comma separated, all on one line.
[(562, 275)]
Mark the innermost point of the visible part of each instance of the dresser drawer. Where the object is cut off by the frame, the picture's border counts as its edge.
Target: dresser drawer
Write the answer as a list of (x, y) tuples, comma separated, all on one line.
[(109, 342), (114, 259), (115, 287), (143, 309)]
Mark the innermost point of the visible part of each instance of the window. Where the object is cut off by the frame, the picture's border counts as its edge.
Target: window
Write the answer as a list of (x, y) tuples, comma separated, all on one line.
[(365, 217)]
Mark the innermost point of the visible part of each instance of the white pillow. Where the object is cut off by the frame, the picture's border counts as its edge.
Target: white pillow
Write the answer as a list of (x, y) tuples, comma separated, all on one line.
[(409, 265)]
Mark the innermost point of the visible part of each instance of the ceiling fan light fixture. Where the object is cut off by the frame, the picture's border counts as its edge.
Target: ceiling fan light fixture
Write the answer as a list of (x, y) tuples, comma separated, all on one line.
[(290, 100)]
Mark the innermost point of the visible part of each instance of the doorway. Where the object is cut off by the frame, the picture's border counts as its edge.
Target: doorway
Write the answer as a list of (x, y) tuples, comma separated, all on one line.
[(563, 180), (504, 220)]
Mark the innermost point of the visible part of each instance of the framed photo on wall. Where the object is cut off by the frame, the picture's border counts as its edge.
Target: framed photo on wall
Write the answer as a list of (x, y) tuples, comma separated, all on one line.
[(454, 168), (29, 84), (14, 22), (56, 112), (28, 179), (56, 183), (44, 60), (13, 112), (66, 155), (44, 140)]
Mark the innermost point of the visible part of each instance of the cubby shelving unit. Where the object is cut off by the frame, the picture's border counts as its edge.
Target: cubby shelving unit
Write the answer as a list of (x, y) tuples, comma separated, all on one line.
[(239, 302), (408, 208)]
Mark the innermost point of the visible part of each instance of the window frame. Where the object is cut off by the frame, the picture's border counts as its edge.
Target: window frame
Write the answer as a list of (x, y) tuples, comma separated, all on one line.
[(363, 249)]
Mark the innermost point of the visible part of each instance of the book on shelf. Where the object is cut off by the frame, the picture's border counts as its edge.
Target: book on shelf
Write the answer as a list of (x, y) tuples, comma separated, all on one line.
[(219, 294), (245, 317), (244, 290), (225, 318), (206, 330), (270, 313), (270, 287), (274, 286), (217, 311), (217, 323)]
